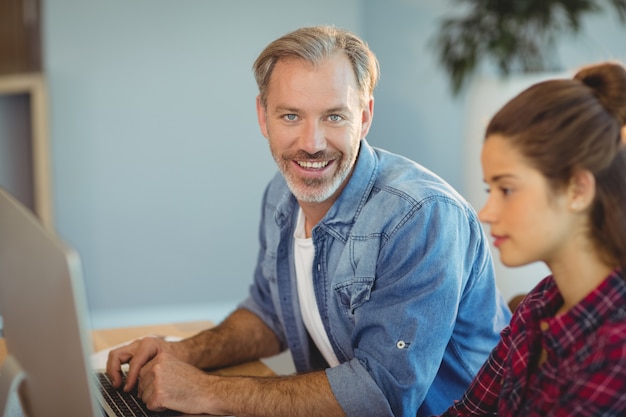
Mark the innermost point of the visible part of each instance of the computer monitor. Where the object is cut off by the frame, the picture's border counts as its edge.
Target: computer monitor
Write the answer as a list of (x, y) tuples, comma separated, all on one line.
[(43, 307)]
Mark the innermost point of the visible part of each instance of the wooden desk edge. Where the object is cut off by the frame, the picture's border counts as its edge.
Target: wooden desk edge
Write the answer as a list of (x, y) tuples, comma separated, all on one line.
[(106, 338)]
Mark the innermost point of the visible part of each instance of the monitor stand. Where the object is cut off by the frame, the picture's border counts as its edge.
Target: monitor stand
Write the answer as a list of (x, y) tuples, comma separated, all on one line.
[(11, 378)]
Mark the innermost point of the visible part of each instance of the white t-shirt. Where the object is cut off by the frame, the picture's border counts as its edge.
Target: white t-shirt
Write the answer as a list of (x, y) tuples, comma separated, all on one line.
[(304, 254)]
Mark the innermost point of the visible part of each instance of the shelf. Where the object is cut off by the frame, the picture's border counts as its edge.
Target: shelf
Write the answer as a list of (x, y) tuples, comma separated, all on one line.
[(34, 85)]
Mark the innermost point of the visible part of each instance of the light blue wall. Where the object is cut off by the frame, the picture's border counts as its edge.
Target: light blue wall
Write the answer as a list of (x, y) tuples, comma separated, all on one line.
[(414, 113), (158, 163)]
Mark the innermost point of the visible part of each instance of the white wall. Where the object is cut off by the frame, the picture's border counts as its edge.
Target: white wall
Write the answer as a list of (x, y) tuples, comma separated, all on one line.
[(158, 163)]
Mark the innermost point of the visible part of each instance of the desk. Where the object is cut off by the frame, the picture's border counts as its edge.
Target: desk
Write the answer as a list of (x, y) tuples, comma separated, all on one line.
[(106, 338)]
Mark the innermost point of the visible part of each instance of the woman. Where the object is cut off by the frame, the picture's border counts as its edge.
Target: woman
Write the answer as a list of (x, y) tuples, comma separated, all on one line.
[(555, 166)]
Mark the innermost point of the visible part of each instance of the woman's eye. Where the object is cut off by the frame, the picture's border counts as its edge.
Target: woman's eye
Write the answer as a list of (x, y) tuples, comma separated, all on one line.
[(506, 191)]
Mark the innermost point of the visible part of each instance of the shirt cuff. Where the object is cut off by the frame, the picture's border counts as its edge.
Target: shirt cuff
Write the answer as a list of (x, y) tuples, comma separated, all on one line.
[(356, 391)]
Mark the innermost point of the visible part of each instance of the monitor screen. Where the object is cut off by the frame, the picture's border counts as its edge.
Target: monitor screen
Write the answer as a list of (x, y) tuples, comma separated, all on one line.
[(44, 313)]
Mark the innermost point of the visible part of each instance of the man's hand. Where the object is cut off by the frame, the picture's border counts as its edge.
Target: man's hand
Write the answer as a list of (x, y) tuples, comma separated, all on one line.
[(166, 382), (136, 355), (169, 375)]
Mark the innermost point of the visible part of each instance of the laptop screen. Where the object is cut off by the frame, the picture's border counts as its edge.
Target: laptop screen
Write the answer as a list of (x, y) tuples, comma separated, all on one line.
[(43, 309)]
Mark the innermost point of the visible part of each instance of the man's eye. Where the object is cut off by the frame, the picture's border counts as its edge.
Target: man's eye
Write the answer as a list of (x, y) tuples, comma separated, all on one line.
[(290, 117), (335, 118)]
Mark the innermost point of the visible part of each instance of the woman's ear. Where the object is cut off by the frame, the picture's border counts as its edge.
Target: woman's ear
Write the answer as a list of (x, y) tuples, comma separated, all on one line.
[(581, 190)]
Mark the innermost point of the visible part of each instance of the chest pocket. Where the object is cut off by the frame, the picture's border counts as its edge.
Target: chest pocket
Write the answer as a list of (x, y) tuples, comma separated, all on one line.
[(359, 262)]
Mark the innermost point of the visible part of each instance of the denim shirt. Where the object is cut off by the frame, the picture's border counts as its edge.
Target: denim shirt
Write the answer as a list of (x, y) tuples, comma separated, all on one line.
[(404, 284)]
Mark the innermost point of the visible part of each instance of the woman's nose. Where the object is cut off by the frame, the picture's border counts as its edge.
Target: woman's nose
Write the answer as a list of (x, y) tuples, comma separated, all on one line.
[(486, 214)]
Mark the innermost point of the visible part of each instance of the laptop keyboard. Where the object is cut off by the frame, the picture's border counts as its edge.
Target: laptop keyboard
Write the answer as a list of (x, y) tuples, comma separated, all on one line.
[(126, 404)]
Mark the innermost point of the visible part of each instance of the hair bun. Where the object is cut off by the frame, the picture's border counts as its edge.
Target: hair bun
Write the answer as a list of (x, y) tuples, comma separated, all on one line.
[(608, 82)]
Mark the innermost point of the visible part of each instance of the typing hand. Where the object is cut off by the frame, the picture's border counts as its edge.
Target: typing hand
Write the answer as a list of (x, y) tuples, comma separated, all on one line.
[(168, 383), (136, 355)]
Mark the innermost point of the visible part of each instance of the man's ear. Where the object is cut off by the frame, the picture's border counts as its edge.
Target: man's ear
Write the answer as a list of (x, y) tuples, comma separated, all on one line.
[(581, 190), (366, 117), (261, 114)]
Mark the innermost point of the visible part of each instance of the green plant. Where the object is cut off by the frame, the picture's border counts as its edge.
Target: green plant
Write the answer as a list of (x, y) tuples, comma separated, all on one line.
[(517, 35)]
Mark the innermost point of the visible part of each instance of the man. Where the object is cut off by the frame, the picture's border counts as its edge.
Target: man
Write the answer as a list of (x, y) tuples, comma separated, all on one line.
[(372, 271)]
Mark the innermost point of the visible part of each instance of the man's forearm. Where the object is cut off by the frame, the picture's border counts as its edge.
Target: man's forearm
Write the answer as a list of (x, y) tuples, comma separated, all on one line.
[(241, 337), (298, 395)]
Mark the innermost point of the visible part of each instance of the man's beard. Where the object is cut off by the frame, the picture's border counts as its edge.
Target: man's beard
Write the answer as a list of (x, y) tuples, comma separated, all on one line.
[(313, 190)]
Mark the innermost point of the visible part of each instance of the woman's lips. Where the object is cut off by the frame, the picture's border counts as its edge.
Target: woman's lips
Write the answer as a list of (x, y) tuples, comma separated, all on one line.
[(498, 240)]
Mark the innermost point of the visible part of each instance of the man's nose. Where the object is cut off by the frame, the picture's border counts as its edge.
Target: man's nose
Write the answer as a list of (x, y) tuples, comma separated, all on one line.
[(312, 138)]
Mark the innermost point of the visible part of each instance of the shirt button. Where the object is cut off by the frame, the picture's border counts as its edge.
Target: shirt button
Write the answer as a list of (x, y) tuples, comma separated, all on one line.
[(401, 344), (544, 326)]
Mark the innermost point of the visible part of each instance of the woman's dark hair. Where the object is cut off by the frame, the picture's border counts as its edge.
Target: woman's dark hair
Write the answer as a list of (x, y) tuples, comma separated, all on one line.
[(565, 125)]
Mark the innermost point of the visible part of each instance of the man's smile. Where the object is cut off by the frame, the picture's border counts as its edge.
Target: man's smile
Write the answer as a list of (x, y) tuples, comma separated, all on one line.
[(313, 164)]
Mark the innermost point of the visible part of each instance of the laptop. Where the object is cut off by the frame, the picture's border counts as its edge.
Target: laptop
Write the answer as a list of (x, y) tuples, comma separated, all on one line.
[(44, 312)]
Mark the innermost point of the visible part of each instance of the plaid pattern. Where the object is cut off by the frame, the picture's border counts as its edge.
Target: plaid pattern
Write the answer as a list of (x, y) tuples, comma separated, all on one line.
[(584, 373)]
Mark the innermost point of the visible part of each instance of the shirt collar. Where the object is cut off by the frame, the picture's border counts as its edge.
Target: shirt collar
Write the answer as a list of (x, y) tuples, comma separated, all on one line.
[(596, 309), (356, 192)]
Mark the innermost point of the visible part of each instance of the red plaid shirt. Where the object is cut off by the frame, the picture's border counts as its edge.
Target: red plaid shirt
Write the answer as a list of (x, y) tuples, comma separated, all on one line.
[(585, 371)]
